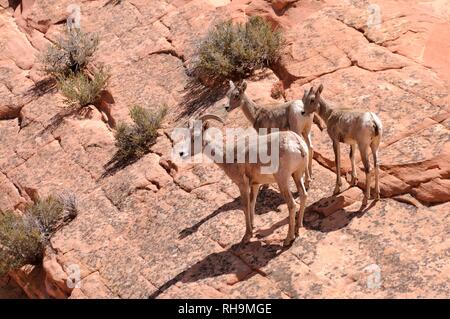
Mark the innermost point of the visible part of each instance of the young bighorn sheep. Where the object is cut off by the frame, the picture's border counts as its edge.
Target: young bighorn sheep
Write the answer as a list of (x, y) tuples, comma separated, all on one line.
[(248, 175), (296, 116), (354, 128)]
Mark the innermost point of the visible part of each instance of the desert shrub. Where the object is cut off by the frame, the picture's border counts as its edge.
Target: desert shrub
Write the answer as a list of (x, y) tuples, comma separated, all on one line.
[(23, 236), (52, 212), (21, 242), (236, 51), (80, 89), (133, 141), (47, 212), (70, 53), (70, 204)]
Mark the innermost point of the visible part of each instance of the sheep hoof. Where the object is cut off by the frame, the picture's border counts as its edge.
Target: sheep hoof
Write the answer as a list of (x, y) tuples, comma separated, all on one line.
[(247, 237), (364, 202), (354, 181), (307, 184), (288, 241), (337, 190), (377, 197), (297, 229)]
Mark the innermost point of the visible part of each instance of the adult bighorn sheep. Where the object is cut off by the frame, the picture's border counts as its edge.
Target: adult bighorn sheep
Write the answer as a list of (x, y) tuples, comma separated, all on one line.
[(248, 175), (295, 115), (354, 128)]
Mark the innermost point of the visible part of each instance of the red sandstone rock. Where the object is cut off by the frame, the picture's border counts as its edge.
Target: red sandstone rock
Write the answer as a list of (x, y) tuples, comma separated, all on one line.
[(279, 5), (55, 278), (158, 228), (330, 205), (9, 288), (434, 191)]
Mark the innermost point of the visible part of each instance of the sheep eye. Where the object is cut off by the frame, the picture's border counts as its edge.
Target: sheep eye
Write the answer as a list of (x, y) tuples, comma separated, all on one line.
[(303, 113)]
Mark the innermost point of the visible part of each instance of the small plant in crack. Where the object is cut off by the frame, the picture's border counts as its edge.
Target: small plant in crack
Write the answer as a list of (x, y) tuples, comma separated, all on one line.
[(81, 89), (134, 140), (229, 51), (69, 64), (71, 53), (24, 235), (235, 51)]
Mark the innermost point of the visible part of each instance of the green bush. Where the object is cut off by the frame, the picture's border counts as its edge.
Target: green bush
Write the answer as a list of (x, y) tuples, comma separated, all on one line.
[(23, 236), (47, 212), (21, 242), (236, 51), (81, 90), (69, 54), (133, 141)]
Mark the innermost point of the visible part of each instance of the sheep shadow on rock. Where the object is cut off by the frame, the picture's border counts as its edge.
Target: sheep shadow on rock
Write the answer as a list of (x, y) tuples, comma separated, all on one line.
[(335, 221), (240, 259), (268, 200), (316, 221)]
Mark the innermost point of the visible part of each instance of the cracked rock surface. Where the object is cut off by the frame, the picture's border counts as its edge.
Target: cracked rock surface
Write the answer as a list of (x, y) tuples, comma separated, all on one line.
[(164, 230)]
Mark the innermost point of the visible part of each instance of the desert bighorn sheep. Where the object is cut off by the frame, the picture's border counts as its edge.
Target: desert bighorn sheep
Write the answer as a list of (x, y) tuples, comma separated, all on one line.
[(296, 116), (354, 128), (249, 175)]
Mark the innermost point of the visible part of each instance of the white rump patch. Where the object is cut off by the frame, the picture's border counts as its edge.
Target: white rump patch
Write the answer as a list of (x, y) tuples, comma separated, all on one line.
[(367, 120), (292, 146), (298, 107)]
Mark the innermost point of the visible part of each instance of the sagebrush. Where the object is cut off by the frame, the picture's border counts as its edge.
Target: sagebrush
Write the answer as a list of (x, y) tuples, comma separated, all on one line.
[(133, 141), (69, 54), (236, 51), (23, 236), (21, 241), (81, 89)]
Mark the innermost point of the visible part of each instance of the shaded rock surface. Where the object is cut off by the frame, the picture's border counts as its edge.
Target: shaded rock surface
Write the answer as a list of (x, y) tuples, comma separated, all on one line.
[(9, 289), (172, 230)]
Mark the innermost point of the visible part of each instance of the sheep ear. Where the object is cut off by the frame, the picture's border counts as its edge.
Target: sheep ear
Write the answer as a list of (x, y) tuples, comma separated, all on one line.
[(305, 96), (317, 97), (243, 86), (320, 89), (232, 86), (206, 125)]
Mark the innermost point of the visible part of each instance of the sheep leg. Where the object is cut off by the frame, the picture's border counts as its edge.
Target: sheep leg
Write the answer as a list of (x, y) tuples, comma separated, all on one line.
[(308, 172), (337, 158), (253, 196), (376, 169), (286, 193), (354, 180), (303, 195), (244, 190), (365, 159)]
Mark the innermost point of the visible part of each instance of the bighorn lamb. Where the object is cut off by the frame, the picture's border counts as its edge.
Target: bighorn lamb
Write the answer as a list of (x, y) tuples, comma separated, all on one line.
[(296, 116), (248, 175), (354, 128)]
